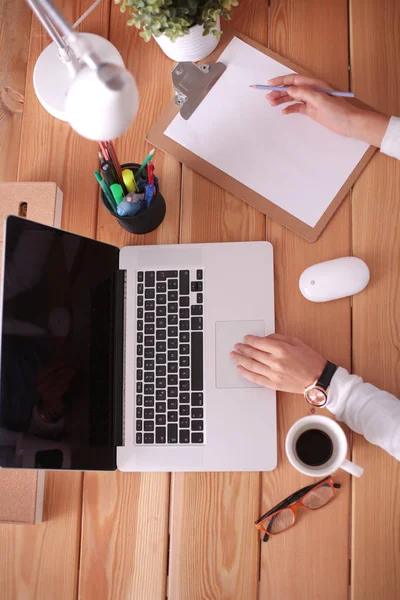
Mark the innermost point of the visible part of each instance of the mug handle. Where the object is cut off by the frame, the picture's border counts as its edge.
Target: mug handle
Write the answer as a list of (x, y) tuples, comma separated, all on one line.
[(352, 468)]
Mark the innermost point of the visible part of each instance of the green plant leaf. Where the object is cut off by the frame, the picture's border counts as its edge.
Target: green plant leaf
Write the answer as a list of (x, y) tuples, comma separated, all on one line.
[(146, 35), (175, 17)]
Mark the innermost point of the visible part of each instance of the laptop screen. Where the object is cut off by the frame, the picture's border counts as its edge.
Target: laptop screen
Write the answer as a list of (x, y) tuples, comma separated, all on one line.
[(57, 350)]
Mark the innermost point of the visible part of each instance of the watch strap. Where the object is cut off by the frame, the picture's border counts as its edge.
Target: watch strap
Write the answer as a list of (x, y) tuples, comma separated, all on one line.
[(325, 378)]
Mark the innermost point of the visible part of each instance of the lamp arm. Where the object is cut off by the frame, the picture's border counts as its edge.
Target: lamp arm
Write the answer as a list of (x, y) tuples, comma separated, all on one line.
[(54, 22), (37, 9)]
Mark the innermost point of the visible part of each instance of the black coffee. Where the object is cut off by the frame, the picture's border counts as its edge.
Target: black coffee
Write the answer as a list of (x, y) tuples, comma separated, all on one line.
[(314, 447)]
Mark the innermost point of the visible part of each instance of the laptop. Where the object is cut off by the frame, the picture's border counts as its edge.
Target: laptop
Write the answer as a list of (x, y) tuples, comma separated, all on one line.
[(120, 358)]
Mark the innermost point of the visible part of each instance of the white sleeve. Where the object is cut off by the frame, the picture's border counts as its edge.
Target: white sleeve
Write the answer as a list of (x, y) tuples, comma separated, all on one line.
[(367, 410), (391, 140)]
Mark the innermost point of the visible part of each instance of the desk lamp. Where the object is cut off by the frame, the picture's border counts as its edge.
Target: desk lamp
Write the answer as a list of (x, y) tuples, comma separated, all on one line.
[(81, 78)]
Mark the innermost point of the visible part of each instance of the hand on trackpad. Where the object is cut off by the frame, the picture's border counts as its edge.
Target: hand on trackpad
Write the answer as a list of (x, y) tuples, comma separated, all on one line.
[(227, 334)]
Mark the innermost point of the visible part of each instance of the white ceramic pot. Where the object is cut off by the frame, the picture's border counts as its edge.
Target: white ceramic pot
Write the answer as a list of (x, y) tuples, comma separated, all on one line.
[(191, 47)]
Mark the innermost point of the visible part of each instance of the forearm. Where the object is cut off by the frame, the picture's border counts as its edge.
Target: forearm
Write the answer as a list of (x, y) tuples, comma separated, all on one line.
[(368, 126), (366, 410)]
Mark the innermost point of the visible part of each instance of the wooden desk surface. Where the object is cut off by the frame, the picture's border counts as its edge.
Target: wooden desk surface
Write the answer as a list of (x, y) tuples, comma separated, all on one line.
[(124, 536)]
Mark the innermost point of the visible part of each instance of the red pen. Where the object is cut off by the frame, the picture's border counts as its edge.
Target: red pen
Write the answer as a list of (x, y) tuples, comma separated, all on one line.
[(150, 173)]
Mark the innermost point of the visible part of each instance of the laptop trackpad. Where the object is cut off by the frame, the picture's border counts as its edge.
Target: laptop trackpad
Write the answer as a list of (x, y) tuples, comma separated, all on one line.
[(227, 334)]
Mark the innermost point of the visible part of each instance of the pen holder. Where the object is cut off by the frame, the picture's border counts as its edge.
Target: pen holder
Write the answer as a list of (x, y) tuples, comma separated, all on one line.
[(145, 221)]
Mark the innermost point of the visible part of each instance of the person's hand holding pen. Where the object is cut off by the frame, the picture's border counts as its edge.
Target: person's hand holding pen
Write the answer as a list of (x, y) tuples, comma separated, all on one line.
[(337, 114)]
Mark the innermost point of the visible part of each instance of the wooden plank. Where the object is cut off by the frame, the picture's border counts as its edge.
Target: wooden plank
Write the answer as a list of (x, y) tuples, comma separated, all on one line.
[(50, 149), (375, 76), (214, 550), (313, 557), (15, 24), (42, 561), (125, 519), (124, 536)]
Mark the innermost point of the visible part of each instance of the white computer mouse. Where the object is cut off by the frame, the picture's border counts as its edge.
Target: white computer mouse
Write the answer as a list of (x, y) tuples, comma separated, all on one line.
[(334, 279)]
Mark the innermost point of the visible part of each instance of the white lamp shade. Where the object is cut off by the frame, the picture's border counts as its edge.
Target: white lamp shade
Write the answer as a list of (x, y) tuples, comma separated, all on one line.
[(97, 112)]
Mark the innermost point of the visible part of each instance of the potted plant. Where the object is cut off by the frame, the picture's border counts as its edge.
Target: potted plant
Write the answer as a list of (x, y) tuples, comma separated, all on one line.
[(186, 30)]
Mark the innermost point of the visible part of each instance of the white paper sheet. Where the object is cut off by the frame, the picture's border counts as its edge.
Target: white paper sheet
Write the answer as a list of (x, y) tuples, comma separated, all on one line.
[(289, 159)]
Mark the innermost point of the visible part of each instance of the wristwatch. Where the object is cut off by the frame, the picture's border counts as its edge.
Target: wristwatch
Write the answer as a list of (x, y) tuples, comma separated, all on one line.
[(317, 393)]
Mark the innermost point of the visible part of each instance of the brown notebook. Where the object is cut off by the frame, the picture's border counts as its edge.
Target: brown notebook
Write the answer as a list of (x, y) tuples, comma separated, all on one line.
[(21, 491)]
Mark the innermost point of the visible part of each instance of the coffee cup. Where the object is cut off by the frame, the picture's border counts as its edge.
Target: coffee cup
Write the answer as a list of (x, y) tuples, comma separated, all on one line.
[(317, 446)]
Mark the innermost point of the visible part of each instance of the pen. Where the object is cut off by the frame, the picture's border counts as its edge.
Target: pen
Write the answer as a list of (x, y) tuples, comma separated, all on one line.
[(283, 88), (149, 190), (108, 173), (150, 173), (106, 191), (144, 164), (149, 193), (101, 158), (114, 159)]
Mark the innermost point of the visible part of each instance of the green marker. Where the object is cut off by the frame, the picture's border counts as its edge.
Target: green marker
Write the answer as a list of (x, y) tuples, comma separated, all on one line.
[(106, 191), (144, 164), (117, 192)]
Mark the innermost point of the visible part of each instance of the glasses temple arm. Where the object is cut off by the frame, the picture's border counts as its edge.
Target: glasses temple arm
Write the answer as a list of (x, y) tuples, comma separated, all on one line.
[(292, 498)]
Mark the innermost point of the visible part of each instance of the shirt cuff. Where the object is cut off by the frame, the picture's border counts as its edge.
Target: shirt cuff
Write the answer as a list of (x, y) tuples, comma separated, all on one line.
[(339, 389), (391, 140)]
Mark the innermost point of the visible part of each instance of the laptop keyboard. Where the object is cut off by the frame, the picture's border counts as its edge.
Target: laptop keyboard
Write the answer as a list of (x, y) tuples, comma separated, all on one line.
[(169, 357)]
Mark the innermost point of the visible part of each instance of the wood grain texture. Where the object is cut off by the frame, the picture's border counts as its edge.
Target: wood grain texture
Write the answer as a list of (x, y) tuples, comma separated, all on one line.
[(41, 561), (213, 215), (314, 34), (375, 75), (374, 51), (15, 24), (124, 536), (214, 551), (50, 149), (214, 548), (125, 520)]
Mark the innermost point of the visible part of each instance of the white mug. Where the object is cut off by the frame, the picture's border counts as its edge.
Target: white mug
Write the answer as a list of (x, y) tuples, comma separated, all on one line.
[(338, 458)]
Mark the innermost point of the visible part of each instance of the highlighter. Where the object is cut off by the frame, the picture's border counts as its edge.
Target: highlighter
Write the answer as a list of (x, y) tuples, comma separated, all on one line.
[(129, 180), (117, 192)]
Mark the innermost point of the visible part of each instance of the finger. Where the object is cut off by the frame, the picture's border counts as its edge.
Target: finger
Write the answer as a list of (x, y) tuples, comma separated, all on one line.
[(295, 79), (265, 344), (258, 355), (274, 95), (281, 338), (251, 365), (304, 94), (295, 108), (255, 377), (281, 100)]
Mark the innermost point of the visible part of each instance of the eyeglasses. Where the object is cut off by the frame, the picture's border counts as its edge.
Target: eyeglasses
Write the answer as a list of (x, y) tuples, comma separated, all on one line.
[(283, 515)]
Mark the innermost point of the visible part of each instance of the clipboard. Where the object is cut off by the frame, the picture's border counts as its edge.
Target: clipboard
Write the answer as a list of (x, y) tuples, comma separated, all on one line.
[(157, 137)]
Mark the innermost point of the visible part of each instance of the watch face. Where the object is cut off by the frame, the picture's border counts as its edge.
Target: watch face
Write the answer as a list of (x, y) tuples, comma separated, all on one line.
[(316, 396)]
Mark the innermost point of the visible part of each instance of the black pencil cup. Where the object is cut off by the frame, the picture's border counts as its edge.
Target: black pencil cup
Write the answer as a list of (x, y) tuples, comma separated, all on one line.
[(146, 221)]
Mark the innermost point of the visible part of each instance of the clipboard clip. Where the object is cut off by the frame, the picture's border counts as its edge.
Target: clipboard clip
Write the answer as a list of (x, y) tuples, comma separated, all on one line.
[(192, 83)]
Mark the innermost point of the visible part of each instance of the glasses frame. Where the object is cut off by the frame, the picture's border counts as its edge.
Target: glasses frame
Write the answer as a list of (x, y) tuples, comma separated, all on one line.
[(294, 501)]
